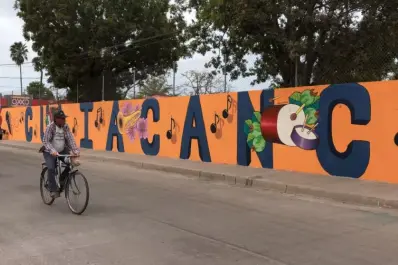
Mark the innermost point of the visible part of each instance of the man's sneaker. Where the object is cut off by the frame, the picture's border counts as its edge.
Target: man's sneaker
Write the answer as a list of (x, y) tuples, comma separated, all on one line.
[(55, 194)]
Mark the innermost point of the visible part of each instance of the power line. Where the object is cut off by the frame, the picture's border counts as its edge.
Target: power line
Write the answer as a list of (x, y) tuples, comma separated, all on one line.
[(16, 87), (130, 43), (14, 77), (13, 64), (115, 46), (143, 45)]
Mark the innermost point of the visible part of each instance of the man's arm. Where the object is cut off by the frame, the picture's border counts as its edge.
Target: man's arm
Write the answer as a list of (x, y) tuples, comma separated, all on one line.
[(48, 136), (70, 141)]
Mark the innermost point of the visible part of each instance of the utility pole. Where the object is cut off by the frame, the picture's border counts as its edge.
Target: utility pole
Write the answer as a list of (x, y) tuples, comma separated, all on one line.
[(103, 85), (39, 92), (174, 77), (77, 91), (296, 70), (103, 75), (20, 74), (225, 73), (134, 84)]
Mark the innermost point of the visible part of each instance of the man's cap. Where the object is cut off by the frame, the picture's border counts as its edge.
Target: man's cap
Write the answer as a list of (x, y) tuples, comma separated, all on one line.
[(59, 114)]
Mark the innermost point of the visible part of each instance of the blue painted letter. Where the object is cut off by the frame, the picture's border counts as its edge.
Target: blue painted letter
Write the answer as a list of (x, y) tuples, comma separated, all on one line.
[(245, 112), (28, 130), (354, 161), (86, 108), (194, 115), (114, 131), (154, 147)]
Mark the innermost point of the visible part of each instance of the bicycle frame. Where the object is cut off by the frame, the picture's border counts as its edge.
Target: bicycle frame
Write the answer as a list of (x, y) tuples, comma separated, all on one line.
[(61, 165)]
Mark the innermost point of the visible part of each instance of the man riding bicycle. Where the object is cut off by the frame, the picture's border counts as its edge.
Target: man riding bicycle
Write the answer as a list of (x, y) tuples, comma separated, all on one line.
[(57, 140)]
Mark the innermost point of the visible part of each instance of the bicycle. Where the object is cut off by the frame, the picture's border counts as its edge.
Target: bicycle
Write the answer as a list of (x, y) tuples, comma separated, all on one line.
[(68, 183)]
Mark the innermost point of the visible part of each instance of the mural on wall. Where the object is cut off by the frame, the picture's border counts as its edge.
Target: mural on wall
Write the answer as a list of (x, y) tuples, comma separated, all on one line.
[(75, 126), (252, 129), (100, 119), (8, 121), (227, 115), (130, 123), (291, 124), (304, 136), (169, 133), (173, 131), (257, 128), (49, 117), (35, 131), (1, 125)]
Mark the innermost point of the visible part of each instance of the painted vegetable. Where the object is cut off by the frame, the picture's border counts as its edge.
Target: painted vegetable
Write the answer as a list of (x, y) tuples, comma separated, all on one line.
[(252, 129)]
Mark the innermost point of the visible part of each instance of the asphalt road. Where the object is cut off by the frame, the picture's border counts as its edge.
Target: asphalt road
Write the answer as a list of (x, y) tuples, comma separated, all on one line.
[(143, 218)]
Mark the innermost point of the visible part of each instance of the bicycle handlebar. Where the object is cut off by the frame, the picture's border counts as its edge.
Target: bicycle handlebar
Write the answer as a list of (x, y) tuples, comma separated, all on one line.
[(67, 155)]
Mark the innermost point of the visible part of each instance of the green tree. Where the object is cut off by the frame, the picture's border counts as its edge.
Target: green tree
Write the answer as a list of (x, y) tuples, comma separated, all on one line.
[(38, 91), (324, 41), (80, 41), (19, 53), (155, 86)]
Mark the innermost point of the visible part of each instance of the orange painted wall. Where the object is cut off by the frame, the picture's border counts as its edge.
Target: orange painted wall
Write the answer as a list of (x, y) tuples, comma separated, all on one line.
[(379, 132)]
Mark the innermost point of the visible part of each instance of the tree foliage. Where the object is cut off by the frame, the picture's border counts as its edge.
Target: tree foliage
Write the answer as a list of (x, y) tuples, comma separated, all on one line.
[(39, 66), (79, 41), (199, 83), (19, 53), (155, 86), (325, 41), (38, 91)]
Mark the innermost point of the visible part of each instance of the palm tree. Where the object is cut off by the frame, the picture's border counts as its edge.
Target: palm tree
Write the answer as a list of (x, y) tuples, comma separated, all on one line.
[(39, 67), (19, 53)]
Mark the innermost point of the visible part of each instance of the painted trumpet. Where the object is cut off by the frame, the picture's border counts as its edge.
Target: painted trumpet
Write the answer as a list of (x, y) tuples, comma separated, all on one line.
[(123, 122)]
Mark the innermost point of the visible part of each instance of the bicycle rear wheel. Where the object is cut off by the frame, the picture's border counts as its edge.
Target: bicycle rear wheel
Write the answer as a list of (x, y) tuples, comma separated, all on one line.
[(44, 191), (77, 186)]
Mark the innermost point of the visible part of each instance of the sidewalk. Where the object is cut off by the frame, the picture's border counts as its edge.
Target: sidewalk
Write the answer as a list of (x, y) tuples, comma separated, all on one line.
[(336, 188)]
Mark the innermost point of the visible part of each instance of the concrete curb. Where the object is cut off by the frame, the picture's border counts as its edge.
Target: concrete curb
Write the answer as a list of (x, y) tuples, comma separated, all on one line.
[(256, 182)]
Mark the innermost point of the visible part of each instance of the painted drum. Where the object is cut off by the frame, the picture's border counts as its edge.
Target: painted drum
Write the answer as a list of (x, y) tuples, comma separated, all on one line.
[(277, 123), (304, 137)]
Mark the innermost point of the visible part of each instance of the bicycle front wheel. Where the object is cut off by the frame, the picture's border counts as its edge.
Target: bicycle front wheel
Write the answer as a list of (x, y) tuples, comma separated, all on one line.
[(76, 189), (44, 191)]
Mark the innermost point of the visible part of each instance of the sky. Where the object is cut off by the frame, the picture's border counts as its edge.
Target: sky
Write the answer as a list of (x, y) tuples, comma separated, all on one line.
[(11, 31)]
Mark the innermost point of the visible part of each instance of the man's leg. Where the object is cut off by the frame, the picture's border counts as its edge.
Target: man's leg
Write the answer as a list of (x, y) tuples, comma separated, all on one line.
[(51, 164), (67, 168)]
